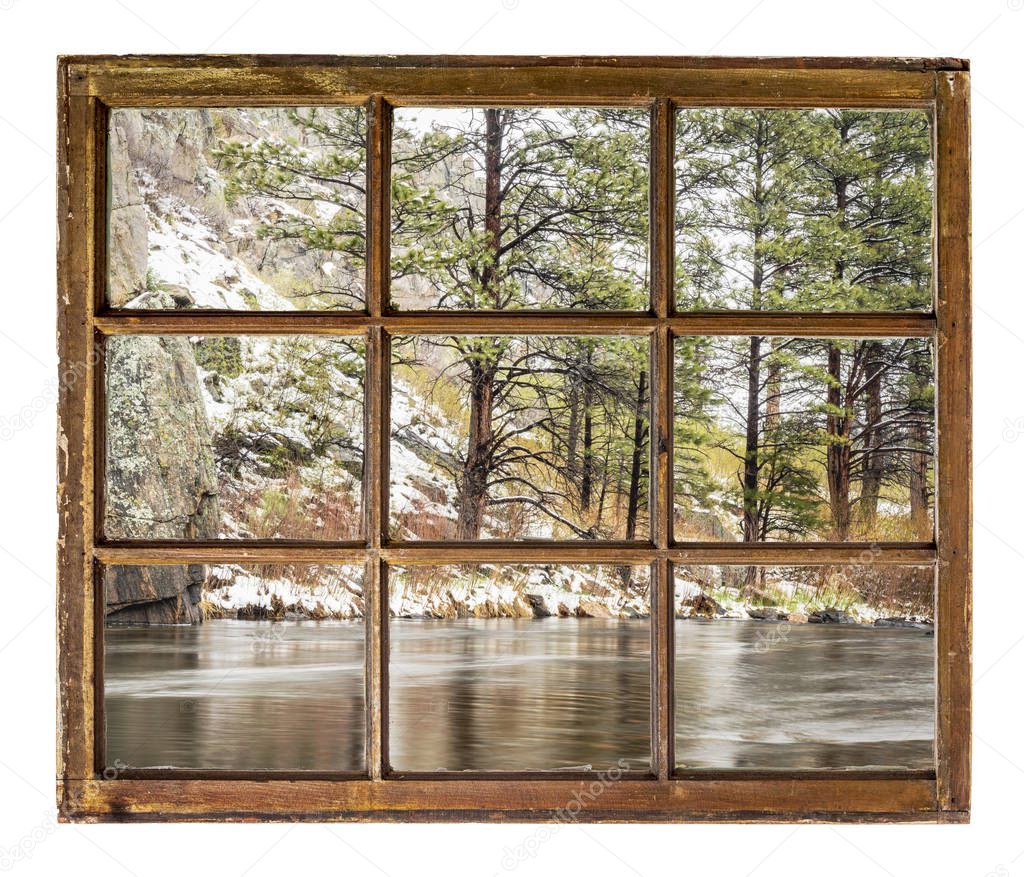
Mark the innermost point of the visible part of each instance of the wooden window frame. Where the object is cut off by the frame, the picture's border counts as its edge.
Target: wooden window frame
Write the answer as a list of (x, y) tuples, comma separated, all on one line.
[(88, 87)]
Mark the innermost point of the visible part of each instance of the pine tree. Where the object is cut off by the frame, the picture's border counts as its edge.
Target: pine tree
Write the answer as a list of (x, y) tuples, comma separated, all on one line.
[(869, 214), (738, 215), (543, 208)]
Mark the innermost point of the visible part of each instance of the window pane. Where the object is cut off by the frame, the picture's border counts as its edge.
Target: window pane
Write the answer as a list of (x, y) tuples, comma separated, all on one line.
[(841, 675), (519, 437), (247, 209), (272, 679), (519, 207), (805, 210), (503, 667), (234, 437), (804, 439)]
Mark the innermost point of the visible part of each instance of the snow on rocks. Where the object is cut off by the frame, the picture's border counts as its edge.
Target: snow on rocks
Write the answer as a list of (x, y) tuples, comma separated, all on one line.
[(232, 589), (537, 591), (186, 254)]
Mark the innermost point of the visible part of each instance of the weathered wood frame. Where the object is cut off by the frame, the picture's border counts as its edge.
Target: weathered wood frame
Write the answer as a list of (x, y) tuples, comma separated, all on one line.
[(88, 790)]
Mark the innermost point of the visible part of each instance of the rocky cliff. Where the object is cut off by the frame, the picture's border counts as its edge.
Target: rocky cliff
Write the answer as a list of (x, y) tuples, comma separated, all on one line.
[(154, 594), (161, 481)]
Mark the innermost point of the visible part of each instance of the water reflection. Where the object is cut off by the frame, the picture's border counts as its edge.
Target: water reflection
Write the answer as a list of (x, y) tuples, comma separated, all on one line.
[(803, 696), (519, 695), (515, 695), (236, 695)]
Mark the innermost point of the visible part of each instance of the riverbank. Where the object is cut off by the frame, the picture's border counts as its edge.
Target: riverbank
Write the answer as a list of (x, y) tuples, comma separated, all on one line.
[(231, 591)]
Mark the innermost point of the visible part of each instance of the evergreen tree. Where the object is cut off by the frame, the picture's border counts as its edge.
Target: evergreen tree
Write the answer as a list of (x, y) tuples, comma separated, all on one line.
[(540, 207), (869, 217)]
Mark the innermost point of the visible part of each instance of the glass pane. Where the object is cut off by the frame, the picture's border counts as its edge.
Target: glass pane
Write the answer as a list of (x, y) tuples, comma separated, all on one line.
[(519, 437), (805, 668), (804, 439), (505, 667), (246, 209), (234, 437), (231, 667), (519, 208), (805, 210)]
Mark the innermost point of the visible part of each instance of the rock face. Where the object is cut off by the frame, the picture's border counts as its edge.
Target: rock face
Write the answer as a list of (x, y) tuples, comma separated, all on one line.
[(831, 616), (169, 145), (538, 606), (900, 621), (767, 613), (700, 606), (161, 481), (154, 594), (128, 241), (592, 609)]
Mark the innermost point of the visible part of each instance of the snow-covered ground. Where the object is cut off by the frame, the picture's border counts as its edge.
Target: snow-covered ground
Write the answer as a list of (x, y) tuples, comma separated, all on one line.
[(419, 429), (486, 591), (186, 252), (337, 593)]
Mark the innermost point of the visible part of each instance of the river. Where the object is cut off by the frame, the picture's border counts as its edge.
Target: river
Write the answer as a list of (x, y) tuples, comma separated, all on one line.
[(509, 695)]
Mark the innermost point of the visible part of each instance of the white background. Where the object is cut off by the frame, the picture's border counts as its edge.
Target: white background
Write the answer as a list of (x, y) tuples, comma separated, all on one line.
[(32, 33)]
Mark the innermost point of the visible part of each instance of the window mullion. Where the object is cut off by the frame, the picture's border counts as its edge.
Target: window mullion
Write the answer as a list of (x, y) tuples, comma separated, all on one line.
[(375, 466), (662, 291)]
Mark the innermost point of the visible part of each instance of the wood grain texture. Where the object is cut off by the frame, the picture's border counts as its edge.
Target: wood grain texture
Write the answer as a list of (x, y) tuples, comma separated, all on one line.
[(76, 211), (378, 205), (697, 62), (167, 81), (663, 668), (501, 551), (538, 800), (953, 604), (662, 237), (211, 322), (375, 619)]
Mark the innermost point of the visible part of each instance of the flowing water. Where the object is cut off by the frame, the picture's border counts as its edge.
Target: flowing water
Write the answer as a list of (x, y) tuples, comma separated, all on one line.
[(517, 695)]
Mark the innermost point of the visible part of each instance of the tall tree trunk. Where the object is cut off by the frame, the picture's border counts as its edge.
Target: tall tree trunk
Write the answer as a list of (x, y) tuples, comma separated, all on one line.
[(837, 421), (482, 369), (587, 475), (837, 455), (572, 440), (773, 392), (489, 285), (920, 519), (475, 473), (603, 494), (750, 449), (638, 457), (920, 516), (874, 457)]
